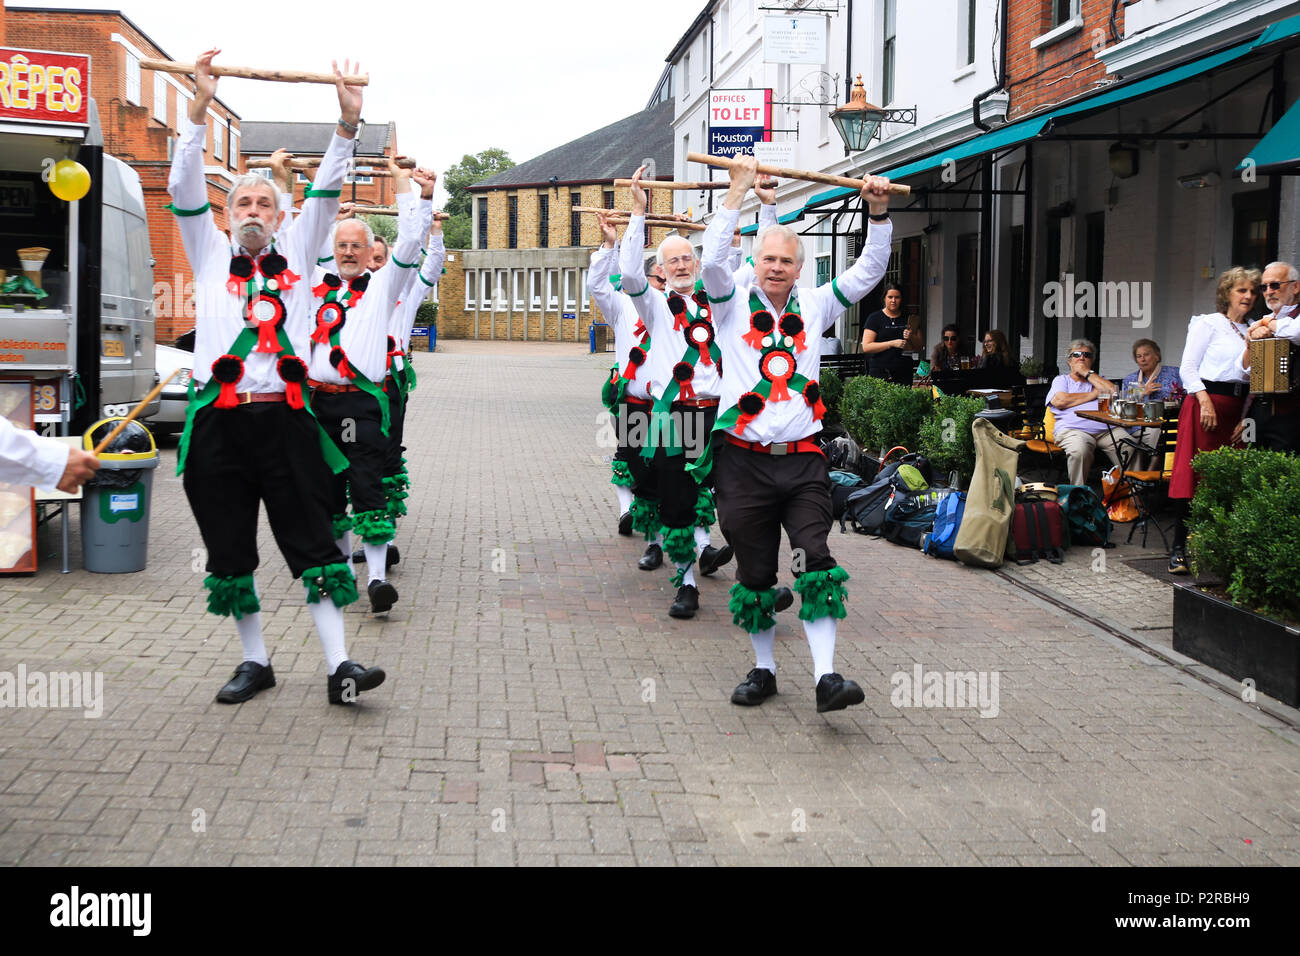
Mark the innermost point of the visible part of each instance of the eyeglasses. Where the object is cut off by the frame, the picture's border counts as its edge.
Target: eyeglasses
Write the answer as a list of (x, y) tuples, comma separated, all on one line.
[(1086, 355), (951, 338), (1274, 286)]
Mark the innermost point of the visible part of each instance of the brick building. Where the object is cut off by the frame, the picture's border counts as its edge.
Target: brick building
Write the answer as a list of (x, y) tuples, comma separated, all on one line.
[(378, 142), (526, 275), (141, 113)]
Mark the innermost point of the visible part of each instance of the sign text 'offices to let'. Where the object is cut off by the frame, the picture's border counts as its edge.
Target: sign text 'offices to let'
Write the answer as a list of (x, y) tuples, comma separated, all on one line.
[(738, 119)]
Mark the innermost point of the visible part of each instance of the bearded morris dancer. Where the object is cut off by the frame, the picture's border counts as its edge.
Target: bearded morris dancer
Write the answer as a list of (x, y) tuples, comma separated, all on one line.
[(767, 470), (250, 437), (348, 367)]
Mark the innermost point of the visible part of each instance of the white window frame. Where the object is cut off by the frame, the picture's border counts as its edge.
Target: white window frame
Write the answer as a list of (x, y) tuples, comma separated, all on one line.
[(218, 141), (518, 287), (485, 289), (471, 286), (686, 74), (160, 97), (501, 290), (535, 288), (552, 289), (234, 146), (1072, 25), (183, 101), (570, 290), (584, 300), (132, 79)]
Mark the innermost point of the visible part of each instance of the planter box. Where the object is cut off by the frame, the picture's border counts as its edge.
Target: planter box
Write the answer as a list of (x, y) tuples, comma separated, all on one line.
[(1238, 642)]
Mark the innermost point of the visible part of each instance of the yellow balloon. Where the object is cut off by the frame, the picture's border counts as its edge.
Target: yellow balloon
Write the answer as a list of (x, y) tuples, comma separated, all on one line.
[(69, 180)]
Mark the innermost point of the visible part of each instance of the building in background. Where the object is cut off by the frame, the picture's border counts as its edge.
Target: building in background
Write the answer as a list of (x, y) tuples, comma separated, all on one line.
[(141, 113), (376, 144), (526, 276)]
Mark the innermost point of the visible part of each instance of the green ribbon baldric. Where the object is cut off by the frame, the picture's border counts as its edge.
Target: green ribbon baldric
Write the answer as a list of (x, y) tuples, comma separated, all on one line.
[(367, 386), (244, 343)]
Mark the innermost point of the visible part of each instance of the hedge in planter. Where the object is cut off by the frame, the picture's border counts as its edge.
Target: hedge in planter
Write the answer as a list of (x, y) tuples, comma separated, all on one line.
[(856, 409), (832, 387), (1244, 525), (898, 413), (946, 437)]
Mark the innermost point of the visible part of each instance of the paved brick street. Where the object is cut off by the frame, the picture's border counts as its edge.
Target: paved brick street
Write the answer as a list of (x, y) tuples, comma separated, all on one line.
[(542, 708)]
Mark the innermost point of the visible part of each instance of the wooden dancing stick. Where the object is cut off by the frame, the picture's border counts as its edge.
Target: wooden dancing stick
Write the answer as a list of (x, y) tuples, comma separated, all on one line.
[(725, 162), (652, 184), (253, 73), (135, 413), (674, 216), (311, 162), (662, 224), (392, 211)]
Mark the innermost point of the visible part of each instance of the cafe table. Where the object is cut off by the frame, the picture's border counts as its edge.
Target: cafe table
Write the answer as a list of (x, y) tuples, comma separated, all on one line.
[(1106, 418)]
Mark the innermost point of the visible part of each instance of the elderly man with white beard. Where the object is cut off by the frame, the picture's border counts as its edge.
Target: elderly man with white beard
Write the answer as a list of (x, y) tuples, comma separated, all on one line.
[(250, 437)]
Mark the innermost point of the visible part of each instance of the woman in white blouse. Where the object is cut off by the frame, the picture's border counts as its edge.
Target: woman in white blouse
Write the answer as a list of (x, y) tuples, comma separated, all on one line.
[(1216, 385)]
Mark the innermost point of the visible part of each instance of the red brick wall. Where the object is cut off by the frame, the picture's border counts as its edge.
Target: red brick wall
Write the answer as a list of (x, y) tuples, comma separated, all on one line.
[(1059, 71), (132, 134)]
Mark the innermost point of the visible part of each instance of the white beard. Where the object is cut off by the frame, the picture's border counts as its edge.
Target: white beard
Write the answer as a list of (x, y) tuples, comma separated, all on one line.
[(251, 234)]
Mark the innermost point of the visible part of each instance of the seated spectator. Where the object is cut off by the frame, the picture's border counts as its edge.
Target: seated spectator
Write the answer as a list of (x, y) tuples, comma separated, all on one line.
[(1070, 394), (947, 356), (997, 353), (1157, 382)]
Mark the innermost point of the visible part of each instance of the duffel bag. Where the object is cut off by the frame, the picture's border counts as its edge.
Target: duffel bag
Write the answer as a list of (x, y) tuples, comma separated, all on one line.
[(1086, 521), (909, 515), (990, 499), (1037, 531)]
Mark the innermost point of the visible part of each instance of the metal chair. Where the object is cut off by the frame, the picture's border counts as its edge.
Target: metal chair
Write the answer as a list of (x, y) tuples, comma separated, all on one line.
[(1146, 484)]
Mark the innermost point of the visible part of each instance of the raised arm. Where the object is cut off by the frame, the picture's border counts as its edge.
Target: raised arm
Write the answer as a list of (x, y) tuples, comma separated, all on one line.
[(188, 189), (855, 282), (602, 266), (632, 252)]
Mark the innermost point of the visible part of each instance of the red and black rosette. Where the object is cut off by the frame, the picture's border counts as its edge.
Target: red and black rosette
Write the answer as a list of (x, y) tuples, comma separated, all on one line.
[(339, 359), (241, 270), (357, 285), (329, 283), (392, 351), (275, 268), (792, 329), (700, 334), (778, 368), (683, 372), (760, 325), (293, 372), (268, 312), (635, 359), (639, 330), (228, 370), (812, 394), (751, 405), (329, 317), (702, 300), (677, 306)]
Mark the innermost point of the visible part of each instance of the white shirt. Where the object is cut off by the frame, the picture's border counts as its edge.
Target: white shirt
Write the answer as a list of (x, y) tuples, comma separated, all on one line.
[(220, 313), (29, 459), (1288, 323), (792, 419), (1213, 352), (403, 320), (618, 308), (364, 337)]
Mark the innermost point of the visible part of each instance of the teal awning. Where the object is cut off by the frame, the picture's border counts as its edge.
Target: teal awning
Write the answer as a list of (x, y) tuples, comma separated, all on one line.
[(1278, 153), (783, 220)]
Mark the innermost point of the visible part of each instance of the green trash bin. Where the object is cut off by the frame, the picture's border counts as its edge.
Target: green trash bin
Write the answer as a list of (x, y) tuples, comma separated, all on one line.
[(115, 503)]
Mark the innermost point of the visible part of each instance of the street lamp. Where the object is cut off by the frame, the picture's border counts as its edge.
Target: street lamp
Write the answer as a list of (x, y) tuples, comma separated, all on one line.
[(857, 120)]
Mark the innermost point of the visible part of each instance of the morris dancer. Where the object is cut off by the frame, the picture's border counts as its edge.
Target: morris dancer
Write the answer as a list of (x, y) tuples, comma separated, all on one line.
[(768, 471), (249, 436)]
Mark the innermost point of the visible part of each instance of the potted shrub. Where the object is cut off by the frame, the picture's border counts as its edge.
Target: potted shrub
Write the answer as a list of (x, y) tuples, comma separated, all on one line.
[(1032, 369), (832, 387), (945, 437), (1242, 530)]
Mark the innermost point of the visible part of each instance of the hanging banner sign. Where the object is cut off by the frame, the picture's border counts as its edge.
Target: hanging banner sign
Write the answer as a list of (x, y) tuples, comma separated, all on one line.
[(775, 154), (738, 119), (36, 85), (794, 40)]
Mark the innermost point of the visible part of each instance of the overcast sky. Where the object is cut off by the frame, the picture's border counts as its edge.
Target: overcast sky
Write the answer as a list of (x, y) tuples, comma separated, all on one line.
[(455, 77)]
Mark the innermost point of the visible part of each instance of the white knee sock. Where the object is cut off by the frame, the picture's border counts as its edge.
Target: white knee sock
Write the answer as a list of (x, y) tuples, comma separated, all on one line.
[(821, 641), (624, 499), (689, 576), (345, 546), (764, 642), (329, 625), (250, 636), (376, 560), (702, 539)]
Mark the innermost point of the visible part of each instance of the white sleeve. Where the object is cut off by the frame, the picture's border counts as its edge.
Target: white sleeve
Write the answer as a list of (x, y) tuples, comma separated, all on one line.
[(189, 191), (29, 459), (715, 257), (1199, 333), (631, 257), (851, 285), (311, 227)]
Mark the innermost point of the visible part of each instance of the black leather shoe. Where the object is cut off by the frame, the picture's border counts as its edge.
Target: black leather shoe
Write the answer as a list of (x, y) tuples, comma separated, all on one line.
[(250, 677), (393, 557), (653, 558), (625, 523), (836, 693), (712, 558), (784, 598), (351, 679), (382, 596), (758, 685), (1178, 561), (687, 603)]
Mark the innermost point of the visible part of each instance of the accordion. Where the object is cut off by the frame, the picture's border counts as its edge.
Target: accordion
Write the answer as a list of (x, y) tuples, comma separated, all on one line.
[(1273, 367)]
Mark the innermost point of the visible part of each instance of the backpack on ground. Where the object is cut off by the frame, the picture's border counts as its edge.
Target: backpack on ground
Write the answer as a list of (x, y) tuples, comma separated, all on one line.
[(1086, 521), (1037, 531), (843, 454), (947, 518), (865, 508), (843, 485), (909, 515), (990, 499)]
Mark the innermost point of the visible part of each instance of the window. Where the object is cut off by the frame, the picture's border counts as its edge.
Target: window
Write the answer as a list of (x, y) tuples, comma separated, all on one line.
[(182, 112), (512, 204), (160, 97), (218, 141), (535, 288), (609, 199), (482, 224), (1063, 11), (552, 289), (234, 146), (889, 53), (361, 176), (267, 174), (966, 32), (575, 220), (132, 79), (583, 300), (300, 177), (499, 294), (471, 280), (543, 221), (686, 74), (570, 289), (517, 287), (485, 289)]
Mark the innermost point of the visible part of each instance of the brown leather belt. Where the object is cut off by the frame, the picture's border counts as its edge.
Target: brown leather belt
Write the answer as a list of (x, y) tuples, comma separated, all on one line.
[(248, 398), (778, 448), (697, 402), (331, 389)]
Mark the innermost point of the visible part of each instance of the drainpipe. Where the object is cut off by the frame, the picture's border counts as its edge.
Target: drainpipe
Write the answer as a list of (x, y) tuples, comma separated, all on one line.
[(1002, 73)]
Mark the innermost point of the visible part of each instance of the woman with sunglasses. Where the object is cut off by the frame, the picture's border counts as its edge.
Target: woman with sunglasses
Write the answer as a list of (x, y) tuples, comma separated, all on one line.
[(947, 356), (1073, 393), (1216, 387)]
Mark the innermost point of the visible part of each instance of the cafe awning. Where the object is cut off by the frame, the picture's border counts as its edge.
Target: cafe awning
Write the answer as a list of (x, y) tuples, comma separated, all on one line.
[(1278, 153)]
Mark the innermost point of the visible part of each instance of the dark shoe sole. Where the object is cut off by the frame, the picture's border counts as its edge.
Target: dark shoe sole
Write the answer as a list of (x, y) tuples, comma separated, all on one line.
[(224, 698), (651, 565), (721, 557), (678, 611), (383, 598), (784, 598), (746, 701), (847, 697), (625, 524), (370, 683)]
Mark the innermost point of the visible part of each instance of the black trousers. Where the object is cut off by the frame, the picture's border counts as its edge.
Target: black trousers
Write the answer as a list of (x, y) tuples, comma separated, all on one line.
[(396, 423), (677, 490), (352, 419), (758, 495), (633, 426), (1277, 422), (262, 452)]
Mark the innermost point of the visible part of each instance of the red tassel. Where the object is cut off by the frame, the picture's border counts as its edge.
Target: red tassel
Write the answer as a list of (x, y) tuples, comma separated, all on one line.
[(743, 422), (322, 333), (267, 341), (779, 391), (293, 394), (629, 373), (287, 278), (680, 321), (322, 290), (685, 390), (705, 357), (799, 345), (818, 410), (355, 298), (754, 339), (639, 330), (228, 398), (344, 369)]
